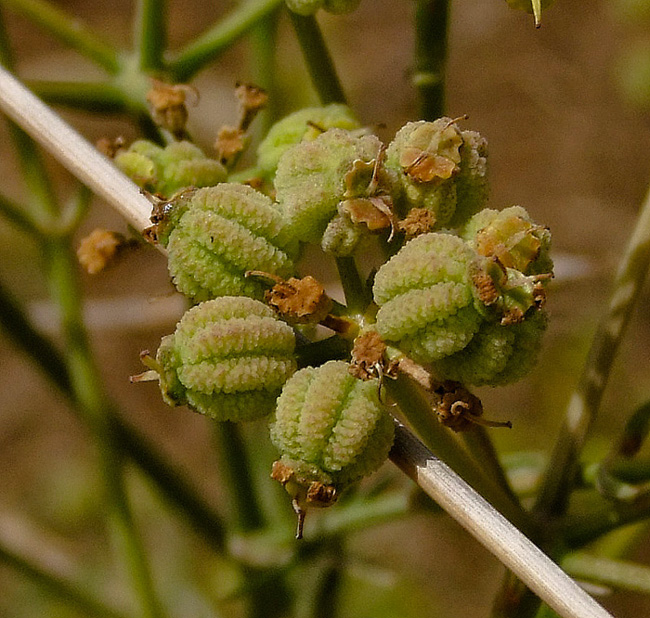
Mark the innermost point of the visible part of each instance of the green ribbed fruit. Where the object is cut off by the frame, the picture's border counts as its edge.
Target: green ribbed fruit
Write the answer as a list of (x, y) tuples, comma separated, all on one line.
[(331, 429), (165, 171), (214, 235), (227, 359), (425, 297), (437, 166)]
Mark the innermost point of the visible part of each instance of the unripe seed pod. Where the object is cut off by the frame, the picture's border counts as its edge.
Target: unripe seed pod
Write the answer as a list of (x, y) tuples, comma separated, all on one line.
[(512, 237), (314, 178), (216, 234), (441, 168), (426, 299), (331, 429), (305, 124), (227, 359), (497, 354), (165, 171)]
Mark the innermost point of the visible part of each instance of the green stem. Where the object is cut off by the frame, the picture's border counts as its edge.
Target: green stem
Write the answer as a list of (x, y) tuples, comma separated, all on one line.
[(442, 444), (585, 402), (357, 297), (167, 480), (218, 38), (431, 24), (69, 30), (235, 469), (480, 445), (319, 62), (68, 592), (16, 215), (619, 574), (86, 385), (150, 34), (99, 97)]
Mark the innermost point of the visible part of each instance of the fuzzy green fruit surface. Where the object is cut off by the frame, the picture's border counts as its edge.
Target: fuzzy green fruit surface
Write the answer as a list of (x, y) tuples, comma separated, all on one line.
[(425, 297), (227, 359), (165, 171), (215, 234), (330, 427)]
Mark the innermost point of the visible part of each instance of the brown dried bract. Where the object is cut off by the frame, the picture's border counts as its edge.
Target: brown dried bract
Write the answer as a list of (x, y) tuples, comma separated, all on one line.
[(368, 356), (374, 212), (486, 289), (110, 146), (168, 108), (281, 472), (97, 250), (252, 99), (423, 166), (417, 221), (230, 144), (321, 495), (300, 301), (459, 409)]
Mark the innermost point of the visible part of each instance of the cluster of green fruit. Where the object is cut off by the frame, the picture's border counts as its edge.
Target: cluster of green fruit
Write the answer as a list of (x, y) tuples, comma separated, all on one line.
[(461, 295)]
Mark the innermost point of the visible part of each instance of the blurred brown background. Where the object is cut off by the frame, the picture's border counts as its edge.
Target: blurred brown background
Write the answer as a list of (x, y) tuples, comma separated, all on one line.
[(566, 141)]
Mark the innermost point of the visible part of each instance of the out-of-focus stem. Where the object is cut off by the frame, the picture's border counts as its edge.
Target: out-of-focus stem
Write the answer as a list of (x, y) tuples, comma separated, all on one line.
[(150, 34)]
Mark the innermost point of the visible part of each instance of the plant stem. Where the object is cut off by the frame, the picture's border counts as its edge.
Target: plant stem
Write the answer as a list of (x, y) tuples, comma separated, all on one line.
[(69, 30), (586, 399), (99, 97), (356, 296), (71, 593), (15, 214), (167, 480), (319, 62), (235, 468), (431, 24), (440, 441), (150, 34), (620, 574), (507, 543), (85, 383), (218, 38)]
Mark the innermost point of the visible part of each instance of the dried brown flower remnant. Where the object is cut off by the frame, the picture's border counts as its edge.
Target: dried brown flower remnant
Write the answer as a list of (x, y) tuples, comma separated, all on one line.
[(459, 409), (369, 357), (99, 249), (168, 108), (300, 301), (229, 144), (252, 99), (418, 221), (110, 146)]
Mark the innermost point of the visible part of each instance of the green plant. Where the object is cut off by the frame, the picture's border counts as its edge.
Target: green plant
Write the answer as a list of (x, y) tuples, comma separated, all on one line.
[(466, 303)]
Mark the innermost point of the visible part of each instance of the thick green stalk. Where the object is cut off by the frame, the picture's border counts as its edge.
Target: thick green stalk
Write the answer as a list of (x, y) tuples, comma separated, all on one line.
[(585, 402), (319, 62), (69, 30), (431, 25), (70, 593), (186, 63), (150, 34)]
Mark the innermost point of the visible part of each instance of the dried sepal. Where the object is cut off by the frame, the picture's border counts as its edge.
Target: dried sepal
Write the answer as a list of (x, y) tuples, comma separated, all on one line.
[(100, 248), (299, 301), (168, 106)]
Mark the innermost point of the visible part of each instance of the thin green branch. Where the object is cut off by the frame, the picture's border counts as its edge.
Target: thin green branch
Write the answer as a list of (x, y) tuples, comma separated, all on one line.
[(186, 63), (171, 485), (585, 402), (235, 469), (86, 385), (100, 97), (71, 593), (619, 574), (69, 30), (150, 34), (319, 62), (431, 25), (16, 214), (357, 296)]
